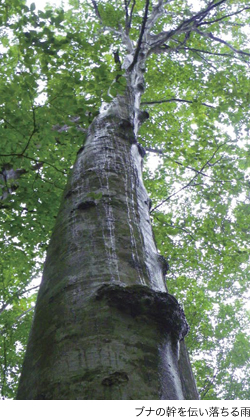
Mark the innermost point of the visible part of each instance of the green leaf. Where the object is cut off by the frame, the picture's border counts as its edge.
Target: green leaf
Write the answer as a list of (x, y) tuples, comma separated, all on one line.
[(32, 7)]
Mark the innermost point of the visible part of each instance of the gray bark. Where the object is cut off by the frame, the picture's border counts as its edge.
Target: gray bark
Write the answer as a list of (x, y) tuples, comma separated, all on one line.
[(105, 326)]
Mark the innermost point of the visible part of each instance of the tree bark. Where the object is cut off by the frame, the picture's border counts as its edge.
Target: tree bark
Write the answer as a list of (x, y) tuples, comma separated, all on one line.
[(104, 325)]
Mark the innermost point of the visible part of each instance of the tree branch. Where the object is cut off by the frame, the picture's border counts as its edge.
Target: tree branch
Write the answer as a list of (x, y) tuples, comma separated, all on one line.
[(120, 33), (24, 313), (160, 152), (162, 101), (131, 14), (96, 10), (209, 64), (128, 17), (188, 184), (4, 306), (155, 15), (176, 227), (215, 38), (223, 17), (138, 48), (13, 127), (196, 50), (186, 26), (33, 132), (34, 160), (203, 13), (183, 229), (206, 52)]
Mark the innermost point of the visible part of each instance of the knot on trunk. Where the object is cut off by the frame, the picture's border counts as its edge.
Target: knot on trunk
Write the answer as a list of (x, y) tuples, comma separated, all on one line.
[(142, 302)]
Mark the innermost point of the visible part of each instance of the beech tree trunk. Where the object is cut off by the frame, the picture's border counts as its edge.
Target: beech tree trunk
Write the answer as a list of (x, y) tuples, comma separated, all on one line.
[(104, 325)]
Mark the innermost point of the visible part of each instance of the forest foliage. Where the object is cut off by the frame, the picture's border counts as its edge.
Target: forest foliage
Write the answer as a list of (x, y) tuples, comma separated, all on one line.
[(57, 67)]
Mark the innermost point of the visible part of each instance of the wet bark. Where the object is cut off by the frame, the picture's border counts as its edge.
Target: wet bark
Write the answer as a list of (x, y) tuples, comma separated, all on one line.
[(104, 325)]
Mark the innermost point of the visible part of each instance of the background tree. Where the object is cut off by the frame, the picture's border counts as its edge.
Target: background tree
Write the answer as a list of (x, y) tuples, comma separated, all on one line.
[(57, 65)]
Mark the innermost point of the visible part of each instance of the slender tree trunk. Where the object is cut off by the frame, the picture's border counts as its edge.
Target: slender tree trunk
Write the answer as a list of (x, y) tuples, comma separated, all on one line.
[(105, 326)]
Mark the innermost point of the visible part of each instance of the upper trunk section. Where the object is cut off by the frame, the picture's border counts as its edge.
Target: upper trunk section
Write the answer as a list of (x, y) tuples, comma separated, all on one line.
[(103, 232)]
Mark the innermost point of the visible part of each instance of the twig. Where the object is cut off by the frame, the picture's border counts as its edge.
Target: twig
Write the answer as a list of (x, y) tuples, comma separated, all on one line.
[(175, 100), (4, 306), (207, 52), (24, 313), (118, 32), (196, 50), (209, 64), (33, 132), (188, 184), (159, 151), (34, 160), (208, 383), (223, 17), (202, 14), (177, 227), (13, 127)]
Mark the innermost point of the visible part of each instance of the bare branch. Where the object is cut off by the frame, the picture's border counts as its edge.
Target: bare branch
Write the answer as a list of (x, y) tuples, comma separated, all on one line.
[(4, 306), (209, 63), (202, 14), (96, 10), (175, 193), (157, 12), (19, 155), (162, 101), (18, 318), (33, 132), (31, 288), (153, 150), (176, 227), (215, 38), (120, 33), (128, 16), (24, 313), (137, 51), (189, 183), (196, 50), (209, 22), (160, 152), (187, 25)]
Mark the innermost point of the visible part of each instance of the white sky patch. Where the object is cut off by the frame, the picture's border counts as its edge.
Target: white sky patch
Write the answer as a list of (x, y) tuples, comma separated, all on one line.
[(153, 161), (196, 5)]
